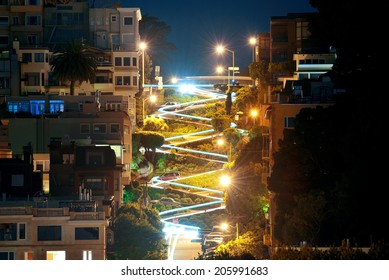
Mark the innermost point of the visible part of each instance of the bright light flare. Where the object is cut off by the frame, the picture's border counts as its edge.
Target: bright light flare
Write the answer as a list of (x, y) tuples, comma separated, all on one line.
[(187, 88), (225, 180)]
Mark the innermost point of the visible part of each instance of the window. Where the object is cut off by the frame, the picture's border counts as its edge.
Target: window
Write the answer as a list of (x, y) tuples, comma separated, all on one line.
[(56, 106), (118, 80), (41, 165), (128, 20), (26, 57), (86, 255), (113, 106), (22, 231), (118, 61), (28, 255), (4, 82), (289, 122), (49, 233), (3, 21), (32, 39), (56, 255), (37, 107), (7, 255), (127, 61), (99, 128), (85, 128), (126, 80), (134, 61), (17, 180), (114, 18), (134, 81), (8, 231), (39, 57), (115, 128), (33, 20), (3, 39), (33, 2), (86, 233), (96, 184)]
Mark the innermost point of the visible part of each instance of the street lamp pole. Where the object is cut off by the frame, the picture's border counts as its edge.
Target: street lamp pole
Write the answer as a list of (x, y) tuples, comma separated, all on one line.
[(220, 49), (152, 98), (142, 46), (253, 43)]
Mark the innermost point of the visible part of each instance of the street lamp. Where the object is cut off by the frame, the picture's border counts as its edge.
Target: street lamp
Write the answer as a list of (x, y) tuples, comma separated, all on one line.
[(220, 70), (221, 142), (152, 98), (143, 47), (221, 49), (225, 226), (225, 180), (254, 114), (253, 43)]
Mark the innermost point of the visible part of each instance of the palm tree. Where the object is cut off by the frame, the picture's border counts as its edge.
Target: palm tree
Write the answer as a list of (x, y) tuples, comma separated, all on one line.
[(74, 62)]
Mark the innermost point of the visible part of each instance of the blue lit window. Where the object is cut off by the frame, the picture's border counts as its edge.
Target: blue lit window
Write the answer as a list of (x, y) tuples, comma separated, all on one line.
[(56, 106), (15, 107), (37, 107)]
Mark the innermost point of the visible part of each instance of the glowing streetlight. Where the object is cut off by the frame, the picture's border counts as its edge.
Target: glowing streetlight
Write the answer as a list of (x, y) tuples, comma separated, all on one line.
[(174, 80), (220, 50), (225, 227), (225, 180), (253, 43), (221, 142), (152, 99), (142, 47), (254, 114)]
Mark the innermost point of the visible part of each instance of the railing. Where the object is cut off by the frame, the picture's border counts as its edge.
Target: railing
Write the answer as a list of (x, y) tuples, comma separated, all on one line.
[(50, 212), (87, 216), (7, 211)]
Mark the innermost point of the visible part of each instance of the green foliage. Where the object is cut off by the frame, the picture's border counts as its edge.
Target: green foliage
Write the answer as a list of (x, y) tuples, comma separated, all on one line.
[(150, 140), (331, 253), (232, 135), (138, 234), (221, 123), (152, 123), (259, 71), (246, 246)]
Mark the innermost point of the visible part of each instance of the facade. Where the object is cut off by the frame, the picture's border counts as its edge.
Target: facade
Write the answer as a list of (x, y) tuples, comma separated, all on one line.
[(30, 31), (52, 230), (289, 35)]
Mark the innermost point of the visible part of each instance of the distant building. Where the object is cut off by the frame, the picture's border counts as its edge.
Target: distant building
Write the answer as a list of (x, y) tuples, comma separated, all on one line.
[(17, 178)]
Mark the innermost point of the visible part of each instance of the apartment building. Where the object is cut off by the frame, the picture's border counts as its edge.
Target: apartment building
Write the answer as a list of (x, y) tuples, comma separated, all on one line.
[(31, 30), (289, 35), (52, 230)]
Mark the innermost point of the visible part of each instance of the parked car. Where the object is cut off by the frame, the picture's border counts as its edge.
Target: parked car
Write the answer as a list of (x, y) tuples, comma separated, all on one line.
[(171, 106)]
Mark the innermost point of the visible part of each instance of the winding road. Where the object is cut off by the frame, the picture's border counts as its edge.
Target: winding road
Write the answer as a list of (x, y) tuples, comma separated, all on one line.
[(176, 232)]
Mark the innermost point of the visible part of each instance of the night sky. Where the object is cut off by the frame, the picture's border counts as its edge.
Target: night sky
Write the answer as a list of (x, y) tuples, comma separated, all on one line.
[(197, 26)]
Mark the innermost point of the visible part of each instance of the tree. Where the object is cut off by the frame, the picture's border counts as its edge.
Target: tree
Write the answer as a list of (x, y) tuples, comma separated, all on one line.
[(232, 135), (75, 62), (221, 123), (259, 71), (153, 123), (138, 234), (229, 102), (155, 32)]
